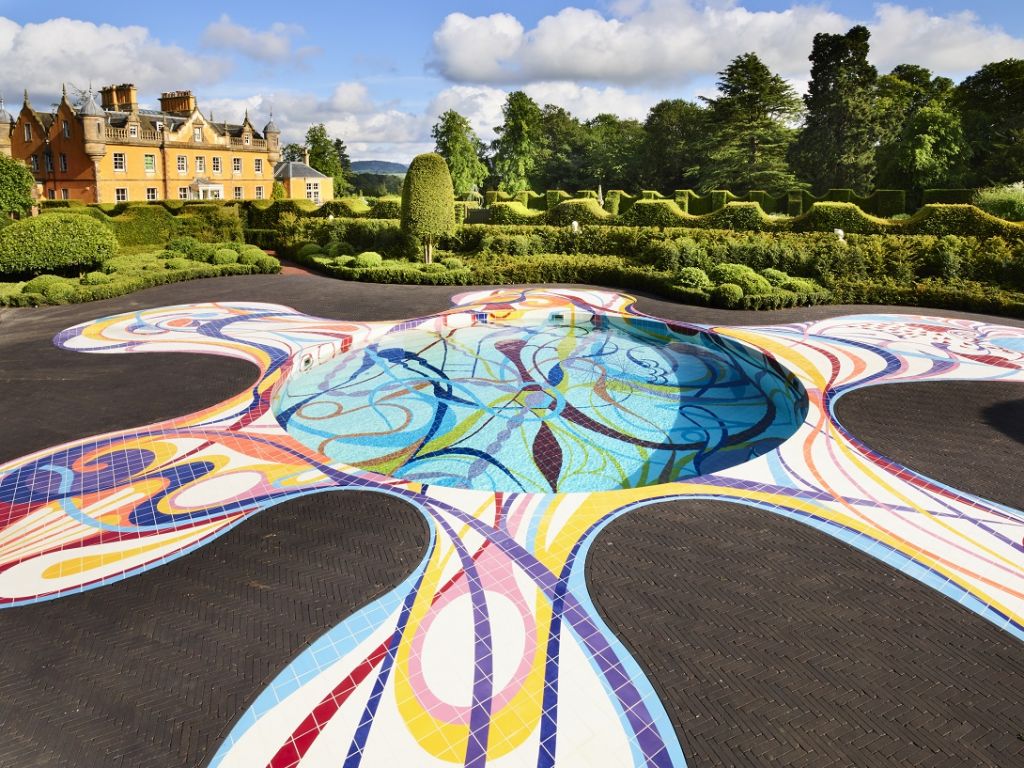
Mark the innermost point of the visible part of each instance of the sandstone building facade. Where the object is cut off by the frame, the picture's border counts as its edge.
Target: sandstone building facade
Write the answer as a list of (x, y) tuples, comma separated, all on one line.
[(116, 151)]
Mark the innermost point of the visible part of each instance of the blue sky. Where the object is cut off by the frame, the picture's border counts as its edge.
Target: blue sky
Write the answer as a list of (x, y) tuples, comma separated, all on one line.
[(379, 73)]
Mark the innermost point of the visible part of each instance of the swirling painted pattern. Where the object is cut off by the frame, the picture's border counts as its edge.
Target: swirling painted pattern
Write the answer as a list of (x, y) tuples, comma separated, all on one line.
[(491, 651)]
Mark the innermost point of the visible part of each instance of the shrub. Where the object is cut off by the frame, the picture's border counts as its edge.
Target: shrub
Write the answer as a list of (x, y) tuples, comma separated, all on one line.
[(514, 213), (774, 276), (453, 263), (585, 211), (727, 295), (663, 254), (309, 249), (54, 243), (654, 212), (742, 275), (38, 284), (178, 262), (16, 185), (211, 223), (510, 245), (94, 278), (225, 256), (387, 207), (367, 259), (1006, 202), (433, 267), (948, 196), (695, 278), (428, 201)]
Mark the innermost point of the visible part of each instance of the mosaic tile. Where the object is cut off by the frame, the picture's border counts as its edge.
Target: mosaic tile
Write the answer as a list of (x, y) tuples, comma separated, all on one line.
[(491, 651)]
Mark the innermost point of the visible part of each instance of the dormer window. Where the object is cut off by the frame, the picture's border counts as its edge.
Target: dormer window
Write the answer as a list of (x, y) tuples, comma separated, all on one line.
[(133, 131), (66, 128), (159, 125), (28, 132), (246, 138), (197, 133)]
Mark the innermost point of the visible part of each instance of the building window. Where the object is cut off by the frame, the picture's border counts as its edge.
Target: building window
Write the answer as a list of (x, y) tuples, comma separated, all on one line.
[(64, 194), (51, 194), (63, 163), (238, 193), (216, 165), (151, 193), (66, 128), (119, 164), (28, 132), (236, 165), (197, 133), (133, 131), (313, 191), (200, 165), (183, 193), (35, 163), (49, 161), (246, 139), (149, 161), (121, 194), (259, 165), (182, 164), (259, 193)]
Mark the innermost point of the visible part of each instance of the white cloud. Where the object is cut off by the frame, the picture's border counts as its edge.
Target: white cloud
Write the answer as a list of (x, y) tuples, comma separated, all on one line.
[(41, 56), (658, 42), (586, 102), (272, 46)]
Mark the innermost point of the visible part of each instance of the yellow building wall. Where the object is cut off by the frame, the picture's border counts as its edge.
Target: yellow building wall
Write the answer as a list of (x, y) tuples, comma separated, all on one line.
[(295, 188), (168, 181)]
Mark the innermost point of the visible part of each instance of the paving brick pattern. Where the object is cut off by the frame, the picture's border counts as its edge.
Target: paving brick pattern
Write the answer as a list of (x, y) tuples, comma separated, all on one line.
[(154, 670), (772, 644), (769, 643)]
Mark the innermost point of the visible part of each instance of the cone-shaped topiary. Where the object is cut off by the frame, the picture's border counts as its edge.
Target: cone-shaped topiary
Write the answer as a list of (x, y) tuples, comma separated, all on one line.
[(428, 201)]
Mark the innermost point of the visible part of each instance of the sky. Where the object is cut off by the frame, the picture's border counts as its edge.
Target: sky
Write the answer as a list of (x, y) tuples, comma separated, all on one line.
[(378, 74)]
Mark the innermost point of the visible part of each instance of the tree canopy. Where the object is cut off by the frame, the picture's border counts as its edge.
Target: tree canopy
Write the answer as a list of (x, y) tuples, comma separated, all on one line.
[(428, 201), (16, 185), (456, 141)]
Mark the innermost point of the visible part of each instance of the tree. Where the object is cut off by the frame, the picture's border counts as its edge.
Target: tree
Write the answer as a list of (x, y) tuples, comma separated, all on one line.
[(293, 153), (990, 102), (921, 142), (674, 142), (428, 201), (16, 184), (836, 148), (343, 182), (611, 152), (930, 151), (750, 128), (562, 145), (517, 147), (457, 143), (277, 191), (324, 156)]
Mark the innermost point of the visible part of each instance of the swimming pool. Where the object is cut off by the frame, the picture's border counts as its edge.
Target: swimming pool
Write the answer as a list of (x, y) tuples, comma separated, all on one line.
[(549, 406)]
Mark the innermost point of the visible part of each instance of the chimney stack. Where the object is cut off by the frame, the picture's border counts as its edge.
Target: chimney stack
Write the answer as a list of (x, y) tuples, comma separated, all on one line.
[(120, 98), (305, 155), (182, 102)]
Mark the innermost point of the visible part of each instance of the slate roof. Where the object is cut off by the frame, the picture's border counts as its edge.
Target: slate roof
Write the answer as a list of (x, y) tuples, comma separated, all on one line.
[(295, 170)]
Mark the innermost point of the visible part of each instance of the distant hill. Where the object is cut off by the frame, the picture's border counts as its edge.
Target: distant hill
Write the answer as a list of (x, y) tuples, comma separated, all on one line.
[(378, 166)]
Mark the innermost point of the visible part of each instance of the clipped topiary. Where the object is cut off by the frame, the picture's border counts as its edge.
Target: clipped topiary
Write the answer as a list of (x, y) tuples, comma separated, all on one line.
[(57, 242), (428, 201), (368, 259), (727, 295), (740, 274), (225, 256), (695, 278), (309, 249)]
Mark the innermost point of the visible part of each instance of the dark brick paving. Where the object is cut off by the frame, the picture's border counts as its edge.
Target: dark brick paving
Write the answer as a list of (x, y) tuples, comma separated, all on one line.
[(770, 644), (154, 670)]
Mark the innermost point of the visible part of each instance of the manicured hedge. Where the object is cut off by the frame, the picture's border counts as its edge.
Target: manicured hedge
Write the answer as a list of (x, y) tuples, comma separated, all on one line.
[(189, 259), (59, 242), (514, 213), (583, 211)]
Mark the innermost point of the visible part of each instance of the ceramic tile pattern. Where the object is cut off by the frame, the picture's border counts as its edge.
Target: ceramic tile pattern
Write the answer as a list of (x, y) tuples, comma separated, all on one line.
[(491, 652)]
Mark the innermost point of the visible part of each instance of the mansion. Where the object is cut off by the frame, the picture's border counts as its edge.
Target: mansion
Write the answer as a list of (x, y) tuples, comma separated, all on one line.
[(116, 152)]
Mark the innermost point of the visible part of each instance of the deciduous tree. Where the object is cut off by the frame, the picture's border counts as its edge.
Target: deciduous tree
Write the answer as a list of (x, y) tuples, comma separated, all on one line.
[(518, 145), (457, 142)]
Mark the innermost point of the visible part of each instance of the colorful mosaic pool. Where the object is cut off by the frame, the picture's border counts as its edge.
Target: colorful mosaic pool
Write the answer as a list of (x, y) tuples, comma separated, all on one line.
[(491, 651)]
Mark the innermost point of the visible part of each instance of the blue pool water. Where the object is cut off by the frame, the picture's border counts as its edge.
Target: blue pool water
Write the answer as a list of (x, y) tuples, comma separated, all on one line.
[(614, 403)]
